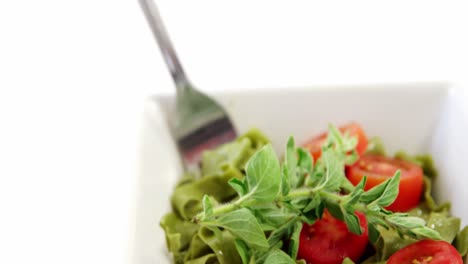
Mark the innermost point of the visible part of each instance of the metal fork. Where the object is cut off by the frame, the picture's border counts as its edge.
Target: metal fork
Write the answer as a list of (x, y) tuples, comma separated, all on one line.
[(198, 122)]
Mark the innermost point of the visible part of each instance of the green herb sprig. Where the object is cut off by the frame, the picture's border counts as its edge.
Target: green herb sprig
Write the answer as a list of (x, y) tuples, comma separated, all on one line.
[(275, 200)]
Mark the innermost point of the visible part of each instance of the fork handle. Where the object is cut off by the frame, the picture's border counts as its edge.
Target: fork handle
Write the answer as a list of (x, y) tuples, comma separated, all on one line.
[(167, 49)]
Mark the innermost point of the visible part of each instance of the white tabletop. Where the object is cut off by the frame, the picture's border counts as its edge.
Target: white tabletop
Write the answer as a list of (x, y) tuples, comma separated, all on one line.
[(74, 74)]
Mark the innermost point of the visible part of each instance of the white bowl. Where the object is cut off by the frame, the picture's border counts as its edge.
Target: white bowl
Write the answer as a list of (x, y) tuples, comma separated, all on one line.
[(419, 118)]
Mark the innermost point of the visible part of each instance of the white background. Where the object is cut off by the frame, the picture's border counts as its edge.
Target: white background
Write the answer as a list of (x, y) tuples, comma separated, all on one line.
[(74, 75)]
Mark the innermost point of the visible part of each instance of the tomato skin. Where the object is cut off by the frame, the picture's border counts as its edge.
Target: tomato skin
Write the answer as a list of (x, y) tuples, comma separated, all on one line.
[(379, 168), (314, 145), (328, 241), (427, 251)]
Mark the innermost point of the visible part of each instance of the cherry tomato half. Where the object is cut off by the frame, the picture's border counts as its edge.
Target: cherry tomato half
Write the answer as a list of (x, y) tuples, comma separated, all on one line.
[(328, 241), (379, 168), (427, 251), (314, 145)]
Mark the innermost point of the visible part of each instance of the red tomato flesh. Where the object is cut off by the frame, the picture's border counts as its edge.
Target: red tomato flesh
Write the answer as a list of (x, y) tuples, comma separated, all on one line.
[(379, 168), (314, 145), (425, 252), (328, 241)]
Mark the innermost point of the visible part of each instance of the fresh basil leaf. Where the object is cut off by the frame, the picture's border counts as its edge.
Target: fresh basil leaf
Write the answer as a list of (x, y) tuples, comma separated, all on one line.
[(383, 194), (334, 209), (360, 185), (243, 251), (408, 222), (373, 232), (279, 257), (314, 202), (349, 142), (320, 209), (239, 186), (343, 142), (285, 180), (461, 242), (310, 217), (273, 216), (290, 161), (334, 136), (351, 158), (374, 193), (304, 167), (305, 161), (281, 231), (352, 222), (398, 214), (300, 203), (290, 157), (207, 206), (289, 167), (407, 233), (385, 211), (278, 245), (335, 169), (391, 191), (354, 196), (345, 207), (300, 180), (377, 221), (374, 207), (426, 232), (317, 176), (263, 175), (242, 224), (294, 240)]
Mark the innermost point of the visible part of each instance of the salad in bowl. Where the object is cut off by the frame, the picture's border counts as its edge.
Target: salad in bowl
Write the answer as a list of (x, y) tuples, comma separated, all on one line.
[(337, 198)]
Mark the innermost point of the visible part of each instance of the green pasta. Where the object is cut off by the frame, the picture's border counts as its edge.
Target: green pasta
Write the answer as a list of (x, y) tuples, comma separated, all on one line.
[(236, 153), (461, 242), (223, 247), (446, 225), (207, 259), (186, 199), (198, 248), (178, 232), (376, 147), (189, 243)]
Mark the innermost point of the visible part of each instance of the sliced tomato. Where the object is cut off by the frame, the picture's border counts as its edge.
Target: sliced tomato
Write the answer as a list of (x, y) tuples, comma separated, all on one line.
[(315, 144), (427, 251), (379, 168), (328, 241)]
